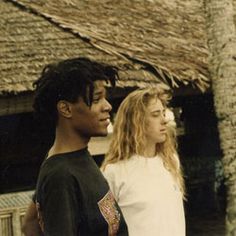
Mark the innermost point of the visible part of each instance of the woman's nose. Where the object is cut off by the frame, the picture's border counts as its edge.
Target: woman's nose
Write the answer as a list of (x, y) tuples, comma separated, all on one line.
[(164, 119)]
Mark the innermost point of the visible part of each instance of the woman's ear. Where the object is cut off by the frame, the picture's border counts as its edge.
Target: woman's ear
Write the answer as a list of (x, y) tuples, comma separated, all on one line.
[(64, 108)]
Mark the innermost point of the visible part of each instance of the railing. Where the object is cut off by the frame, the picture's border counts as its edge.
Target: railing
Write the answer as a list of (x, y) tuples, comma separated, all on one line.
[(11, 221), (12, 210)]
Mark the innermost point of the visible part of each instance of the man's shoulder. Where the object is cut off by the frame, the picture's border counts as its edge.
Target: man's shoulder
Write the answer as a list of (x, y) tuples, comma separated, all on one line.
[(55, 167), (52, 171), (62, 160)]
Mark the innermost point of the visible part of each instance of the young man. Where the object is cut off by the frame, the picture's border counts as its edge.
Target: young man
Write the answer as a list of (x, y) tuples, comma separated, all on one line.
[(72, 197)]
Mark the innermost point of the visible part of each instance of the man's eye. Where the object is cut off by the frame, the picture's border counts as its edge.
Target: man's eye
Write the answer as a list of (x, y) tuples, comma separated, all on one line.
[(96, 100)]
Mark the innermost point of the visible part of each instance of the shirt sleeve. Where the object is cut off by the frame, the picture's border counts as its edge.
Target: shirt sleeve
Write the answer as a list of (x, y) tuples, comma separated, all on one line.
[(110, 173), (58, 206)]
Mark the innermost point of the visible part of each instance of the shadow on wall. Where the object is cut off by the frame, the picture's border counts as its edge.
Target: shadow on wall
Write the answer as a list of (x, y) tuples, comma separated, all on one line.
[(23, 146)]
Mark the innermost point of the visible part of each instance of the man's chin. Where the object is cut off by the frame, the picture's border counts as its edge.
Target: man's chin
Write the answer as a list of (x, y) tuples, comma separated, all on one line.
[(101, 134)]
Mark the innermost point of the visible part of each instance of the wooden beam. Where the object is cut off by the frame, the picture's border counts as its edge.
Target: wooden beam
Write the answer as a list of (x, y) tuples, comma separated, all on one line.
[(99, 145), (16, 104)]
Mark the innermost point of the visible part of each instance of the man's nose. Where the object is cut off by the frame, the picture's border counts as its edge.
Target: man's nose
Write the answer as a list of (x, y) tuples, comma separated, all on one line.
[(107, 106)]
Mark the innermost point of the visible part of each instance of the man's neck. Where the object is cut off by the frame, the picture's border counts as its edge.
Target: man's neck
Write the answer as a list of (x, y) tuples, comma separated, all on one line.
[(67, 142)]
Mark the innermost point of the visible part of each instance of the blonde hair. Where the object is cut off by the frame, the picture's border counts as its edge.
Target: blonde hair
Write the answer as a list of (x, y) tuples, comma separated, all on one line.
[(129, 129)]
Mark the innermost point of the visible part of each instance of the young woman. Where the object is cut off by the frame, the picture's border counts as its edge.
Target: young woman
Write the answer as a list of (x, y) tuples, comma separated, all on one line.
[(142, 166)]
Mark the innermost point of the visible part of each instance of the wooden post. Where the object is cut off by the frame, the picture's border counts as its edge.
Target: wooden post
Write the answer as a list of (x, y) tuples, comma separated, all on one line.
[(16, 225)]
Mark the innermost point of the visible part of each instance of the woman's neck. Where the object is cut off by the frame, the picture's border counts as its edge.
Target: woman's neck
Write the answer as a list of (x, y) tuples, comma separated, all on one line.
[(149, 150)]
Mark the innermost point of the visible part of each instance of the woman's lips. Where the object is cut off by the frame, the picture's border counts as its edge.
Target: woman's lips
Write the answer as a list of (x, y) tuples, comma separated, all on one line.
[(163, 130)]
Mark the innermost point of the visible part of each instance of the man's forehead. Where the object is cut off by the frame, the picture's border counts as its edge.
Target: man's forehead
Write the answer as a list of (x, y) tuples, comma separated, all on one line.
[(99, 86)]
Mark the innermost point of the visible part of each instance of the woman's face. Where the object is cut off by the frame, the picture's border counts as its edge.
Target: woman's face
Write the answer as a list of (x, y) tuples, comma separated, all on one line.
[(155, 122)]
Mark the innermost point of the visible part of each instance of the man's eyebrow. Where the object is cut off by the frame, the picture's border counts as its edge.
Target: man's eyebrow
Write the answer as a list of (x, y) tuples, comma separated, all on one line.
[(100, 92)]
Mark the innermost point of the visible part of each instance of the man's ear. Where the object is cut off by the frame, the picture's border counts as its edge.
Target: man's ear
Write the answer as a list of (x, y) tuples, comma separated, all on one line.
[(64, 108)]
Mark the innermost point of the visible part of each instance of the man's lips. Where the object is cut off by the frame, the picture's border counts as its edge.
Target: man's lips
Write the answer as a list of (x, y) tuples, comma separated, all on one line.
[(106, 120)]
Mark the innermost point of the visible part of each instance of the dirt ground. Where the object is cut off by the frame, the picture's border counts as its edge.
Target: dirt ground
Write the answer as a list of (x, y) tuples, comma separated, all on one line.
[(208, 224)]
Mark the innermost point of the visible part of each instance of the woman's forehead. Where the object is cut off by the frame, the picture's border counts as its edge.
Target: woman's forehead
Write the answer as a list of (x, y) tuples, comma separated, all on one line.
[(155, 103)]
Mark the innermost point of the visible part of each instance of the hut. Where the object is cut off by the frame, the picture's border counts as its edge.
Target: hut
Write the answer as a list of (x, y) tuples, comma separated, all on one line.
[(149, 41)]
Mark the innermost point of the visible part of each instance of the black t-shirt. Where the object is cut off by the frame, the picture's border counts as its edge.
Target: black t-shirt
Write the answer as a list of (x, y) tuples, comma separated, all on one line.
[(73, 198)]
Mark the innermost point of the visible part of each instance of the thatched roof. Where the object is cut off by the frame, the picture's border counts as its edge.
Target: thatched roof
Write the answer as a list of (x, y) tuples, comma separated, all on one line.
[(139, 36)]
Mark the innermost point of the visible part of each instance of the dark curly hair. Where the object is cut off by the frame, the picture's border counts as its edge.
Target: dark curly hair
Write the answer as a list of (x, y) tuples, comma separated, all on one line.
[(68, 80)]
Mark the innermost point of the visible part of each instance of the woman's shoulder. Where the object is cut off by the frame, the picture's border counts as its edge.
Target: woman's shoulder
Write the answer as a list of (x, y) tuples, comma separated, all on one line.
[(119, 167)]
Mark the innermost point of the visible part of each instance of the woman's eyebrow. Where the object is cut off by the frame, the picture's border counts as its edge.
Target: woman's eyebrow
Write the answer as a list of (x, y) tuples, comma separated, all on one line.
[(158, 111)]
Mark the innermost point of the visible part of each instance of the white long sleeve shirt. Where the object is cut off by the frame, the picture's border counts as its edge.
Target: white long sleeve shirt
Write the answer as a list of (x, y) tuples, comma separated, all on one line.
[(148, 196)]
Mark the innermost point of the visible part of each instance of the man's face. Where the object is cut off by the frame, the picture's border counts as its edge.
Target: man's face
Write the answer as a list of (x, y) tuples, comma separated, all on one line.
[(92, 121)]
